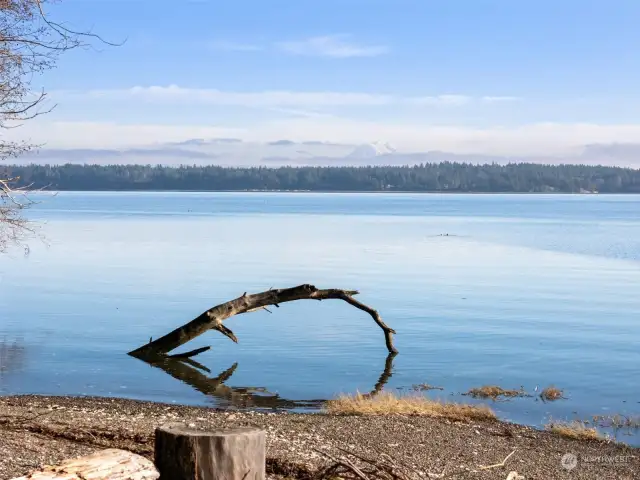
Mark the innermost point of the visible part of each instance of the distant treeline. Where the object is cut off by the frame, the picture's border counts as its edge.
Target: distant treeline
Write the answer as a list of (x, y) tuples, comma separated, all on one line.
[(440, 177)]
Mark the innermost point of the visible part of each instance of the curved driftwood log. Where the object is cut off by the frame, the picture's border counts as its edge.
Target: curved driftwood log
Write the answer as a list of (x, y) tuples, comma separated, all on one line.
[(212, 319), (183, 453)]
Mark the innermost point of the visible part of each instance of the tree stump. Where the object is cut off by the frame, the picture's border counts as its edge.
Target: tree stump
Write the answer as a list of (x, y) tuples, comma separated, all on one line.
[(111, 463), (184, 453)]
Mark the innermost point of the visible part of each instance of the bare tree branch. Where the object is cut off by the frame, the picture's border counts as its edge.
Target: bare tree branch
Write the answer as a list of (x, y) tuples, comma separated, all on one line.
[(212, 319), (30, 44)]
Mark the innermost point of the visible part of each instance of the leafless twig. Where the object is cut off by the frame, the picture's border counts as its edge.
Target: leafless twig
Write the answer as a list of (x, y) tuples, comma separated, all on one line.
[(30, 43), (497, 465)]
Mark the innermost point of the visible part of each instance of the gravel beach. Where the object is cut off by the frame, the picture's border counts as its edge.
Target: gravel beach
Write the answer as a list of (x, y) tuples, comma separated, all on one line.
[(38, 430)]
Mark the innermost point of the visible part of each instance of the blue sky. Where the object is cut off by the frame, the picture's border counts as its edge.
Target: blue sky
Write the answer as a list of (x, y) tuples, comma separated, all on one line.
[(491, 75)]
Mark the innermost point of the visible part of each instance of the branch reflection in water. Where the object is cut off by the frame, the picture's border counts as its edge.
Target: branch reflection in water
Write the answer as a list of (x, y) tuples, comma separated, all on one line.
[(194, 374)]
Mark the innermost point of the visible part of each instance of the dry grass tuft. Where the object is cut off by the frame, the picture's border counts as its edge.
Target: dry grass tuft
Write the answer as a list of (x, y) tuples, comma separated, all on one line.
[(387, 404), (494, 392), (575, 430), (551, 394)]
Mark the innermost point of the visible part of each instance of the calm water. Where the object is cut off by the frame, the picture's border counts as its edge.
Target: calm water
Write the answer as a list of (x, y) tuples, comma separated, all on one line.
[(525, 291)]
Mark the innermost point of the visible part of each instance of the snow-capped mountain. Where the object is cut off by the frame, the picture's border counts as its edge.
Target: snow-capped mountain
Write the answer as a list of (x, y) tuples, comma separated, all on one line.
[(371, 150)]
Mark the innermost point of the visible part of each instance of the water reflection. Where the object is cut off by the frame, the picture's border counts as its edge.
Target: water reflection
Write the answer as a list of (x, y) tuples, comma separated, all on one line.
[(385, 375), (194, 374), (12, 359)]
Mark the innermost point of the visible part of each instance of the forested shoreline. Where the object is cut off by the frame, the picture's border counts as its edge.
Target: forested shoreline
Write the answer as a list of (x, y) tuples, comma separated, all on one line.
[(434, 177)]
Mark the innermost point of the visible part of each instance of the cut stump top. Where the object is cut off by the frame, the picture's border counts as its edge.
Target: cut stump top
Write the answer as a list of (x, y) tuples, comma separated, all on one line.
[(186, 430)]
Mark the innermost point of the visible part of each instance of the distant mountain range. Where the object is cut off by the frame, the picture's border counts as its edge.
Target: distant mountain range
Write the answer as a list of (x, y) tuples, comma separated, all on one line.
[(236, 152), (372, 150)]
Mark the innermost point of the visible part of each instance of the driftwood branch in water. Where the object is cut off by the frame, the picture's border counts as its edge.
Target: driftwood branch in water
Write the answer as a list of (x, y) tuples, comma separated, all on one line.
[(191, 353), (212, 319)]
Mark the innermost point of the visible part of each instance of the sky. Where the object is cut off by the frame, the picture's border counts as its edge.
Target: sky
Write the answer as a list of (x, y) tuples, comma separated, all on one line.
[(483, 76)]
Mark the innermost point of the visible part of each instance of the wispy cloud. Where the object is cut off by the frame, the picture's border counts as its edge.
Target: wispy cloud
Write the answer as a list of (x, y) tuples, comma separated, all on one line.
[(451, 100), (234, 46), (274, 98), (267, 98), (498, 99), (336, 46), (537, 139), (296, 112)]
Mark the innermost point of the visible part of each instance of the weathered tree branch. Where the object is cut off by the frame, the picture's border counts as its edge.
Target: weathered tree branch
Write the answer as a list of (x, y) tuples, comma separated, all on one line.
[(212, 319), (31, 42), (190, 354)]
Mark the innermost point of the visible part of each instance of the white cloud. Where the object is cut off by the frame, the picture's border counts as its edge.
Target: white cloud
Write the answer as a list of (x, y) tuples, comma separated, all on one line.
[(64, 134), (296, 112), (452, 100), (336, 46), (531, 139), (499, 99), (311, 116), (271, 98)]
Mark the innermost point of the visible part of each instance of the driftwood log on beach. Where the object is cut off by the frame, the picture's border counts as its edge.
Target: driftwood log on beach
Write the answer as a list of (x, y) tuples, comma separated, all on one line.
[(212, 319), (112, 463)]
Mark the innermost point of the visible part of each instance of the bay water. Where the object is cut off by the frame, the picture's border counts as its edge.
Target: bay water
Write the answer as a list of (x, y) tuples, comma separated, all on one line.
[(521, 291)]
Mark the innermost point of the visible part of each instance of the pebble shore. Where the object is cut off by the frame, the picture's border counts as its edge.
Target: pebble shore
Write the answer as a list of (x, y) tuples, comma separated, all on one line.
[(38, 430)]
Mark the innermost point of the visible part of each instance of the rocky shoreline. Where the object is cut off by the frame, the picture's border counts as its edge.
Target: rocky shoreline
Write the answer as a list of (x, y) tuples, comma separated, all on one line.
[(38, 430)]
